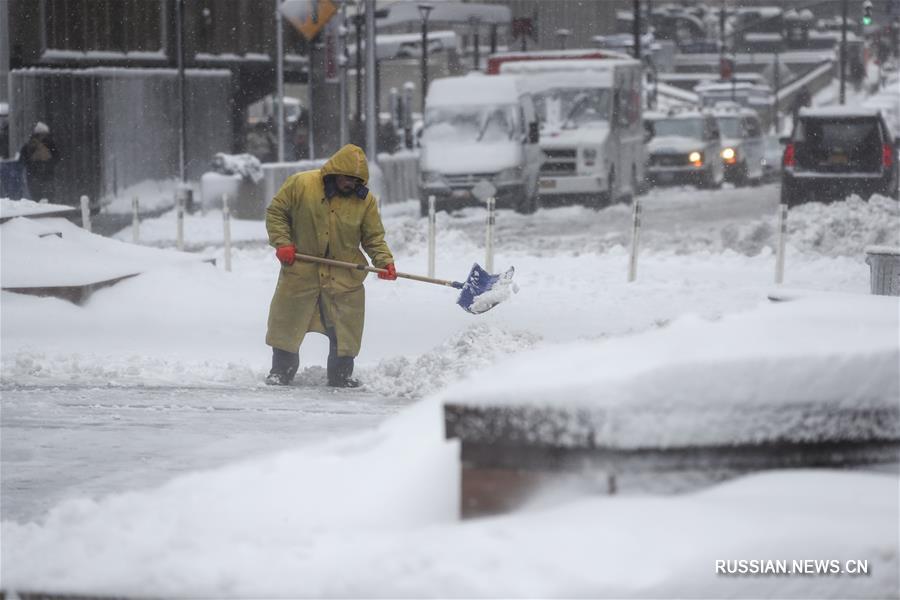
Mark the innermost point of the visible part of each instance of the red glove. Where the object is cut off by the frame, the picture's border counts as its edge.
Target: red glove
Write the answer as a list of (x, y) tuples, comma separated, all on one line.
[(286, 254), (391, 273)]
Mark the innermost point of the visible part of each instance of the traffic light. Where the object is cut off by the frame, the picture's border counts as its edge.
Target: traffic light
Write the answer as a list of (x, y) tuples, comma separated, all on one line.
[(867, 12)]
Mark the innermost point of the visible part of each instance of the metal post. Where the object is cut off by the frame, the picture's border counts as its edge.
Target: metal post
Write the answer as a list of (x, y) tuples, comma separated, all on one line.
[(635, 240), (226, 223), (476, 43), (776, 76), (135, 220), (489, 239), (843, 52), (310, 137), (424, 11), (179, 52), (432, 232), (371, 117), (179, 221), (343, 66), (782, 234), (637, 28), (359, 69), (279, 78), (86, 213)]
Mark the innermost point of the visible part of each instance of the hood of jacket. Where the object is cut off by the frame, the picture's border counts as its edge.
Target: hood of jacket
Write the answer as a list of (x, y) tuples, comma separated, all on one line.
[(349, 160)]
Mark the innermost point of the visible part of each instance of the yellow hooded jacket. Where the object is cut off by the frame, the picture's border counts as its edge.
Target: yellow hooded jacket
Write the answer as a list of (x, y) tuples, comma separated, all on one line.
[(300, 214)]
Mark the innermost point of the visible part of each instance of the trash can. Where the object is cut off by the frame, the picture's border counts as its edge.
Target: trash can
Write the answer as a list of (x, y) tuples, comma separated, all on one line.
[(884, 270)]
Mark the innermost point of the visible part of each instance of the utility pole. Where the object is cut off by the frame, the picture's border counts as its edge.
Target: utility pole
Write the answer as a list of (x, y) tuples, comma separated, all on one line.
[(179, 51), (637, 29), (371, 58), (424, 10), (279, 78), (843, 52)]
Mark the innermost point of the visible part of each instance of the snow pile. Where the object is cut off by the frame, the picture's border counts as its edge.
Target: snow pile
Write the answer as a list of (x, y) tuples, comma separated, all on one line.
[(841, 228), (459, 357), (153, 196), (245, 165), (25, 208)]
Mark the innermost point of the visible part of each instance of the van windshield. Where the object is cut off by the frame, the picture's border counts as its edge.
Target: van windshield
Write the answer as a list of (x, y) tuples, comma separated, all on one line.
[(572, 107), (730, 127), (488, 123), (691, 128)]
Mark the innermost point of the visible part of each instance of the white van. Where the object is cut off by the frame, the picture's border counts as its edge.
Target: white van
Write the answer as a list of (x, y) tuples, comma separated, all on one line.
[(591, 133), (479, 127)]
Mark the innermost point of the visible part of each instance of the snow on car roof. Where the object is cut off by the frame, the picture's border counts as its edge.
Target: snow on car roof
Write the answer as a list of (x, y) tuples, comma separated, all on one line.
[(840, 111), (544, 74), (473, 89)]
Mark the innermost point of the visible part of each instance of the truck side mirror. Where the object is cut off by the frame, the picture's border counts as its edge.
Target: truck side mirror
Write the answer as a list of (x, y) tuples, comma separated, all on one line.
[(534, 133)]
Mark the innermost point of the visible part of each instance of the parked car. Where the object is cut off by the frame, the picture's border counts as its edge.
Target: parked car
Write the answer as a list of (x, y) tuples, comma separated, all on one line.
[(743, 145), (836, 151), (684, 146)]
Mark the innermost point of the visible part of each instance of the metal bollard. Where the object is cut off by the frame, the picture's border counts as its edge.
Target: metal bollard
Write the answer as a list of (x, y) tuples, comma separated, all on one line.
[(86, 213), (179, 222), (489, 240), (135, 220), (432, 232), (635, 240), (782, 234), (226, 222)]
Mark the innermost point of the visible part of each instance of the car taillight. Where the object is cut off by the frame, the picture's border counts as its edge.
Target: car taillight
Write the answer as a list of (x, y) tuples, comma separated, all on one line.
[(887, 156), (788, 160)]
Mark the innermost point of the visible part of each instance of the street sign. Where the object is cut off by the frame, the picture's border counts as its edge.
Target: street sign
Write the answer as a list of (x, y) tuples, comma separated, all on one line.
[(308, 17), (483, 190)]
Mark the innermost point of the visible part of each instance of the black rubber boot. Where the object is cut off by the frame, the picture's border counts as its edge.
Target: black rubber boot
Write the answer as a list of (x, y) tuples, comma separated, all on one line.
[(284, 367), (340, 368)]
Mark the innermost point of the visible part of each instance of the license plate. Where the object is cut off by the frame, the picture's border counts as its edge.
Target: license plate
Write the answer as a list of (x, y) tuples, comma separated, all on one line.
[(838, 159), (548, 184), (461, 194)]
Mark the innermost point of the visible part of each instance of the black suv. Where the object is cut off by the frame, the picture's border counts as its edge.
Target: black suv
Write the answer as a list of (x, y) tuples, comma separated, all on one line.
[(835, 152)]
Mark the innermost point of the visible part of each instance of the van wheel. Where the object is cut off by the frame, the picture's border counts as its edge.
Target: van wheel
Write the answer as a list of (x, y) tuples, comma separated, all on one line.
[(423, 206), (527, 205), (606, 198)]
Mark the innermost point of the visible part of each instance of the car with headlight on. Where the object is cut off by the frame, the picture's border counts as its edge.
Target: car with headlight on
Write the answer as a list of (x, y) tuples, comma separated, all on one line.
[(684, 147), (743, 144)]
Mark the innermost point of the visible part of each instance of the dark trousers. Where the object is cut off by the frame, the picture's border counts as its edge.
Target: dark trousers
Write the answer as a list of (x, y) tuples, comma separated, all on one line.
[(340, 368)]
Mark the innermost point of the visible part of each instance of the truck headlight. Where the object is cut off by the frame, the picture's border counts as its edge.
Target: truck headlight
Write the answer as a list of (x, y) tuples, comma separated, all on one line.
[(512, 174), (696, 158), (730, 155)]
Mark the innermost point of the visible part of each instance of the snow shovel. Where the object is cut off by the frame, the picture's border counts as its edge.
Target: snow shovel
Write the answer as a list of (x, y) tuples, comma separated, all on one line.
[(480, 292)]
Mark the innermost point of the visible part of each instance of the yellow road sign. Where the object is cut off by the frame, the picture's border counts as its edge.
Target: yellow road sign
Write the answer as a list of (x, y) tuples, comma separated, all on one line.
[(314, 20)]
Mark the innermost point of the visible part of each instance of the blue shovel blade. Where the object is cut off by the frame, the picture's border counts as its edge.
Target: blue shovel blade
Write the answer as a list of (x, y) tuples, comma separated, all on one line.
[(483, 291)]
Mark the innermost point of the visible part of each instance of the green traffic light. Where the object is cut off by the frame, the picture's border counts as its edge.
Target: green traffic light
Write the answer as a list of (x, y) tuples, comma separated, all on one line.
[(867, 20)]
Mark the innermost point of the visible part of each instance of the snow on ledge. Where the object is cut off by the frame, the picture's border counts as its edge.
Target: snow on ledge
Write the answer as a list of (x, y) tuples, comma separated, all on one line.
[(57, 253), (783, 371), (28, 208)]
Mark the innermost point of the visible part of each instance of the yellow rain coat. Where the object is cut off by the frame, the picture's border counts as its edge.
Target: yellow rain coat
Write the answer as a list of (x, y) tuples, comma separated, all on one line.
[(300, 214)]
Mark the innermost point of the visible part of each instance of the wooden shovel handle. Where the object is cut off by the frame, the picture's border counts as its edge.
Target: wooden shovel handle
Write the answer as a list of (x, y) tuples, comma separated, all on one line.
[(349, 265)]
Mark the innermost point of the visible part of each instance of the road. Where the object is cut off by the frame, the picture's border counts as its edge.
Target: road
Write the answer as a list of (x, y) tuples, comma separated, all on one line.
[(65, 442)]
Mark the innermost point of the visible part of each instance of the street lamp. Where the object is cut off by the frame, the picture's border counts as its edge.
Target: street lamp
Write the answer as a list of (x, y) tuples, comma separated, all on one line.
[(424, 10)]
